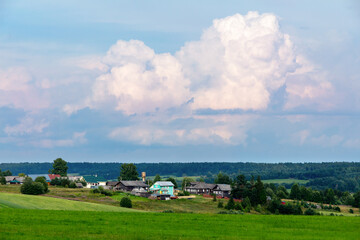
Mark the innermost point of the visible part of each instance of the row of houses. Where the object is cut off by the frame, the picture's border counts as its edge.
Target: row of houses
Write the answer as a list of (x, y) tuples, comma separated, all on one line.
[(162, 189)]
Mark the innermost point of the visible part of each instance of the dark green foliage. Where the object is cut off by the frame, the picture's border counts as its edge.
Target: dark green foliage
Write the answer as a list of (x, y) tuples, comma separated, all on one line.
[(2, 180), (157, 178), (239, 207), (309, 211), (351, 210), (220, 204), (337, 209), (222, 178), (295, 192), (42, 180), (55, 182), (32, 188), (6, 173), (231, 204), (72, 185), (64, 182), (356, 200), (95, 190), (288, 208), (214, 198), (170, 179), (126, 202), (59, 167), (128, 172), (186, 181)]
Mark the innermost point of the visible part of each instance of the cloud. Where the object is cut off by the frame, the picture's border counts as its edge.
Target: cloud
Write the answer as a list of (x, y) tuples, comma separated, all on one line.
[(238, 62), (18, 91), (78, 138), (27, 125)]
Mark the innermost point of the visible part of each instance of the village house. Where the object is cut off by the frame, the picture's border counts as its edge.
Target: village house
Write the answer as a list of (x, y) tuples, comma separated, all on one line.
[(14, 180), (129, 186), (164, 189), (94, 181), (222, 190)]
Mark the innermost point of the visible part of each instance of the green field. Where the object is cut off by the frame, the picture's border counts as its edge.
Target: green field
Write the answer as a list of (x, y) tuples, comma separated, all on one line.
[(286, 181), (46, 224), (10, 200)]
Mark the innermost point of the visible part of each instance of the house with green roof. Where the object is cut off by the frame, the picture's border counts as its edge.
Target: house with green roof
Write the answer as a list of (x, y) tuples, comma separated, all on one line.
[(94, 181), (163, 188)]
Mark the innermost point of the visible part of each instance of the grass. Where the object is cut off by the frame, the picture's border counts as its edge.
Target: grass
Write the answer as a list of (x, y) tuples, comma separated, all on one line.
[(286, 181), (46, 224), (20, 201)]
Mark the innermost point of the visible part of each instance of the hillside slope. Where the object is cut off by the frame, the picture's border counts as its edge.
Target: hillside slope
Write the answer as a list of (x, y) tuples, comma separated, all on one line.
[(9, 200)]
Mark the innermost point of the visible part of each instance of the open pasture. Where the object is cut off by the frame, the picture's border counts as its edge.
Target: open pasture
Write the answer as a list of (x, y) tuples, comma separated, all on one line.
[(20, 201), (46, 224)]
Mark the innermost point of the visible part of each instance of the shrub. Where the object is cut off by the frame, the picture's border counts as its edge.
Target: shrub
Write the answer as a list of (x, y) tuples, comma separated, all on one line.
[(310, 211), (258, 208), (351, 211), (126, 202), (32, 188), (42, 180), (72, 185), (95, 190), (337, 209), (239, 207), (2, 180), (220, 204), (230, 212), (168, 211), (214, 198), (231, 204)]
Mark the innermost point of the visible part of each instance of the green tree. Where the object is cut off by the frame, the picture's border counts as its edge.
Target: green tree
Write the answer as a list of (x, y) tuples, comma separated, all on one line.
[(42, 180), (186, 182), (128, 172), (222, 178), (60, 167), (356, 200), (231, 204), (126, 202), (6, 173), (157, 178), (2, 180), (170, 179), (260, 191), (295, 192), (32, 188), (22, 175)]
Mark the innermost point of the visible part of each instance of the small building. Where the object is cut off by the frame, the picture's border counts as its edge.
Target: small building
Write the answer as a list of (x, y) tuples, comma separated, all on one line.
[(112, 184), (200, 188), (163, 188), (129, 186), (14, 180), (223, 190), (94, 181)]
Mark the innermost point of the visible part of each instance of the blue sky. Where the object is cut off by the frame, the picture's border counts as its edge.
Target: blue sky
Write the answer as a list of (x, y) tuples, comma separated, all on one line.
[(151, 81)]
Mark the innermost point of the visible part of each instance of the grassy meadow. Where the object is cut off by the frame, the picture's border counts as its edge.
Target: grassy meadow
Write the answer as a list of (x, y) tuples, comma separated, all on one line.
[(21, 201), (49, 224)]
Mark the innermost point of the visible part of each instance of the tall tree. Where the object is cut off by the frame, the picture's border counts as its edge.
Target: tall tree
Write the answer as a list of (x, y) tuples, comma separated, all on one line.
[(295, 192), (157, 178), (222, 178), (128, 172), (173, 181), (60, 167), (186, 182)]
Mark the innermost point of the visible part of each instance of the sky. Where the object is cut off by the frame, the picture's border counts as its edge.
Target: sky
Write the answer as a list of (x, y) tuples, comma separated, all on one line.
[(179, 81)]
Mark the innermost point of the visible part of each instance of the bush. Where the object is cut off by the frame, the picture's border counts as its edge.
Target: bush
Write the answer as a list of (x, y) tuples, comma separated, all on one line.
[(168, 211), (214, 198), (32, 188), (310, 211), (72, 185), (95, 190), (351, 211), (231, 204), (220, 204), (239, 207), (126, 202), (337, 209), (2, 180), (42, 180), (230, 212)]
